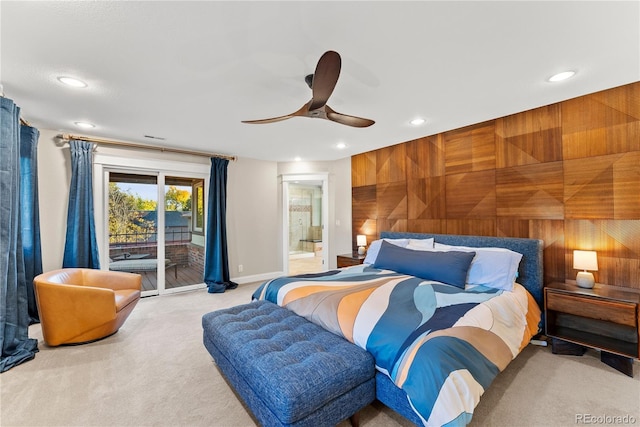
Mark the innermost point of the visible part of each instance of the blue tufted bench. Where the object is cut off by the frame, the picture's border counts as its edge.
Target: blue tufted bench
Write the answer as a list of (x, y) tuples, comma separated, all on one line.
[(289, 371)]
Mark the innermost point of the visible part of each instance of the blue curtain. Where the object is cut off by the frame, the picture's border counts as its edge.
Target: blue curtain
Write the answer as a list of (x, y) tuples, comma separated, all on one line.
[(216, 263), (81, 248), (16, 345), (30, 213)]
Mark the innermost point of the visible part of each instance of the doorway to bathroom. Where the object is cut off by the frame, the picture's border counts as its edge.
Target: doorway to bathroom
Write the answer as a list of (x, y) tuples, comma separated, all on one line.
[(305, 215)]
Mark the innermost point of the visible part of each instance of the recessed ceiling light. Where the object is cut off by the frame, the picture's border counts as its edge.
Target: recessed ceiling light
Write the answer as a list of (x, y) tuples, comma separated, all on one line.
[(341, 145), (73, 82), (297, 159), (562, 76), (417, 121), (84, 125)]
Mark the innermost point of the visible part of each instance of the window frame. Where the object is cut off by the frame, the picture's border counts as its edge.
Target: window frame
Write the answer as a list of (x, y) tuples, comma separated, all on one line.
[(197, 207)]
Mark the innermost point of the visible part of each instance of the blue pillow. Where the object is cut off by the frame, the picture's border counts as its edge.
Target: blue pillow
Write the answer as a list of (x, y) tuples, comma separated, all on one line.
[(374, 248), (447, 267)]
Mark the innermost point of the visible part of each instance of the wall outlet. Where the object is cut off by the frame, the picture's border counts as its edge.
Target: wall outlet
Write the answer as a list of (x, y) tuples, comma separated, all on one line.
[(240, 268)]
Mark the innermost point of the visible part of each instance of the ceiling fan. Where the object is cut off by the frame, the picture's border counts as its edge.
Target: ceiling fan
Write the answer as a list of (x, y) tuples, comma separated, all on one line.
[(322, 82)]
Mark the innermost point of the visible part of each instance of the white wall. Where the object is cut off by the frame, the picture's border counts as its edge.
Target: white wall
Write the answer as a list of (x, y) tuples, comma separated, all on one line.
[(252, 211), (339, 200), (252, 219), (54, 177)]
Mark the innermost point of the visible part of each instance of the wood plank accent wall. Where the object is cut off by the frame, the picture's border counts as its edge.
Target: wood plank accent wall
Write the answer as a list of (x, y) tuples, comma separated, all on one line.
[(567, 173)]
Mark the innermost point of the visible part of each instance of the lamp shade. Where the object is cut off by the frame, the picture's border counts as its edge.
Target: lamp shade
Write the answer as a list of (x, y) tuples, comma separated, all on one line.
[(585, 260), (361, 240)]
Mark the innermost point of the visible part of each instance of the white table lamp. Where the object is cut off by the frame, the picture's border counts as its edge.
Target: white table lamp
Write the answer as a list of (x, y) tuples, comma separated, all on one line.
[(361, 241), (585, 260)]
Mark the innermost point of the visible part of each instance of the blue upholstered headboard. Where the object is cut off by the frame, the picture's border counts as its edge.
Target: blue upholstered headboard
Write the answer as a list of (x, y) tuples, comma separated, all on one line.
[(530, 272)]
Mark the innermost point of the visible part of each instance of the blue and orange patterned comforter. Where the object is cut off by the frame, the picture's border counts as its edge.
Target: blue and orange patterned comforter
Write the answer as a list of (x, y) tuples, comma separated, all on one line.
[(441, 344)]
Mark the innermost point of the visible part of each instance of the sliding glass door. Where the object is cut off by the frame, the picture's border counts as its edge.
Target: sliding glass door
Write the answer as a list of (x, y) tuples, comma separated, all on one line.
[(155, 227), (133, 226), (184, 231)]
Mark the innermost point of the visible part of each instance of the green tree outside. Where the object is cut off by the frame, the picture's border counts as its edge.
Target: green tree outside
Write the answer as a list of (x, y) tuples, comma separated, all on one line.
[(126, 221), (126, 213), (177, 199)]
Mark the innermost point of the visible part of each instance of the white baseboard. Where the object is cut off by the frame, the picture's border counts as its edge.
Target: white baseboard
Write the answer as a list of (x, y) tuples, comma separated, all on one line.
[(257, 277)]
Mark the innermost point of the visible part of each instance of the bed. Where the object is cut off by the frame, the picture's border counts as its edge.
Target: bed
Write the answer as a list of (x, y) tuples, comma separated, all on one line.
[(442, 315)]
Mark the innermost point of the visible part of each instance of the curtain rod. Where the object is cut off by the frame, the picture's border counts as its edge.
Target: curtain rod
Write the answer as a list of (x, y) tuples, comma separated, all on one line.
[(24, 122), (67, 137)]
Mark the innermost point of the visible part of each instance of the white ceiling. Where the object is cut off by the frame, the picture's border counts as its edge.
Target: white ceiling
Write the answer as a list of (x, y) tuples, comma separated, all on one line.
[(191, 71)]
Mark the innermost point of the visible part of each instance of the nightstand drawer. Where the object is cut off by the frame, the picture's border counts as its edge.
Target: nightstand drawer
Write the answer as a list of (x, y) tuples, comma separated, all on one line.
[(617, 312)]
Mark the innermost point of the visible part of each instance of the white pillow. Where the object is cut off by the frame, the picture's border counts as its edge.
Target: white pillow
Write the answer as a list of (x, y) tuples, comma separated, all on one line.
[(374, 248), (420, 244), (491, 267)]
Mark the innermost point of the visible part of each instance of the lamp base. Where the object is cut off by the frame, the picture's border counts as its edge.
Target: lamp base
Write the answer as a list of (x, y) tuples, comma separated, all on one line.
[(584, 279), (361, 250)]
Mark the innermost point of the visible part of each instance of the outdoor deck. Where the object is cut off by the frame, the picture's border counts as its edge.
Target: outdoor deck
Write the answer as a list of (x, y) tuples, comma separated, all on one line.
[(186, 276)]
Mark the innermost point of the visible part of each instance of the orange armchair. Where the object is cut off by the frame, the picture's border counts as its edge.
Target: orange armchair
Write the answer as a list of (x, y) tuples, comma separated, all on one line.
[(79, 305)]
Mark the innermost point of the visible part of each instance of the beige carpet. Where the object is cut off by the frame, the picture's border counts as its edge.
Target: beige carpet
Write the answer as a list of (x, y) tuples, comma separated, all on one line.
[(156, 372)]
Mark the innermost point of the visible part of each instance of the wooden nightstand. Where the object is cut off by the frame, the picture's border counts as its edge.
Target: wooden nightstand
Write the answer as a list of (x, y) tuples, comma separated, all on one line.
[(346, 260), (604, 318)]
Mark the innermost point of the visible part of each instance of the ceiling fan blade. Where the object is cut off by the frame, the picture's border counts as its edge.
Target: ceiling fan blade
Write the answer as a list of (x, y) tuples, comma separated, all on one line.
[(271, 120), (325, 78), (345, 119), (301, 112)]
